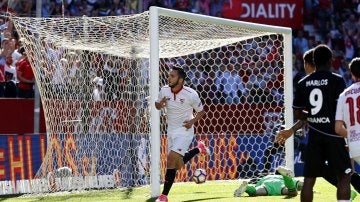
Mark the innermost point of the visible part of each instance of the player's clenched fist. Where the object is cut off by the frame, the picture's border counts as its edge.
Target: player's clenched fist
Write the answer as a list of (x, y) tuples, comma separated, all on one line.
[(161, 104)]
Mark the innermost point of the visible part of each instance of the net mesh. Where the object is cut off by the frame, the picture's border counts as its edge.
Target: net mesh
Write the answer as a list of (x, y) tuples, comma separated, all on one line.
[(93, 78)]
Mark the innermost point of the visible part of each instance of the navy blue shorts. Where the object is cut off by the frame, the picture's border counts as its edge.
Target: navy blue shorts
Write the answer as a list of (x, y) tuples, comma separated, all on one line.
[(326, 154)]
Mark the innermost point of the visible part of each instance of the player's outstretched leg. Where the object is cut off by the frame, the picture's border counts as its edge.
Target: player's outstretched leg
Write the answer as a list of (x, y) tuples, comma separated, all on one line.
[(242, 188), (201, 148)]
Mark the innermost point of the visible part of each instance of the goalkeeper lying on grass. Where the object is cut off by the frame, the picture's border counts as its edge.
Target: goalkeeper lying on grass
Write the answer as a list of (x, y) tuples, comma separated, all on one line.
[(272, 185), (275, 185)]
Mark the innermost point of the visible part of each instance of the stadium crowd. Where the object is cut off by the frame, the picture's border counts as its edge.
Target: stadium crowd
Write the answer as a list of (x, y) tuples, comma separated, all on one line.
[(336, 23)]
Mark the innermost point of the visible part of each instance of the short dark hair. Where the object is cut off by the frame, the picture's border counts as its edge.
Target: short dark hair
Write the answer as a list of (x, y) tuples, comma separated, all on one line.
[(354, 66), (322, 57), (308, 57), (180, 71)]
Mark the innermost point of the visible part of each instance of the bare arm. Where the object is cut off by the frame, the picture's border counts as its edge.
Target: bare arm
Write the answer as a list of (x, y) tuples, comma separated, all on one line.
[(190, 123), (340, 128), (161, 104), (283, 135)]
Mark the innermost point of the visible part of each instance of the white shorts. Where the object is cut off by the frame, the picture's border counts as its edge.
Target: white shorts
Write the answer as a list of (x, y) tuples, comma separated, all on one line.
[(179, 143)]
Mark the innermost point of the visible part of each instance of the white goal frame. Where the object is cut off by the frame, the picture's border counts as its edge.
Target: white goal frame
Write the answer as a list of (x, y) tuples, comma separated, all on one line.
[(155, 12), (100, 76)]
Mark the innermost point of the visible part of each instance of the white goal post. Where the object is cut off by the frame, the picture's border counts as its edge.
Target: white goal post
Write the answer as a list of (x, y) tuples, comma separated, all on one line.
[(98, 79)]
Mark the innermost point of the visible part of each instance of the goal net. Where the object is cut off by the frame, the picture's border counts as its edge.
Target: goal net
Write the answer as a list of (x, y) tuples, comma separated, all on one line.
[(98, 78)]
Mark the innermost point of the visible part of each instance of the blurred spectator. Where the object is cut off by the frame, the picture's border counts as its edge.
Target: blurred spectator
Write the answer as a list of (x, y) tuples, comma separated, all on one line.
[(120, 9), (3, 24), (111, 79), (166, 3), (60, 76), (6, 50), (182, 5), (25, 76), (105, 7), (216, 7), (298, 71), (257, 86), (74, 7), (201, 7), (338, 58), (92, 5), (132, 6), (230, 85), (10, 79), (73, 75), (10, 5), (348, 24), (300, 44), (25, 7), (16, 55), (83, 9), (343, 70), (45, 8), (323, 9), (209, 92), (349, 48), (2, 80), (191, 75), (357, 48), (98, 91)]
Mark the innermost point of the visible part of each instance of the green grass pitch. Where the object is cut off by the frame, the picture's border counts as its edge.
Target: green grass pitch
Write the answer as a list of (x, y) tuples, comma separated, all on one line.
[(180, 192)]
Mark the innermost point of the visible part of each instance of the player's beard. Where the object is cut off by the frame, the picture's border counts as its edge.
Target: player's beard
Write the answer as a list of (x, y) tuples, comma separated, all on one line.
[(173, 85)]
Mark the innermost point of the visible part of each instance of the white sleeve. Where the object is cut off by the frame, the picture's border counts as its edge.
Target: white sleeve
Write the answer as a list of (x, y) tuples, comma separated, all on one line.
[(197, 104), (160, 96), (340, 109)]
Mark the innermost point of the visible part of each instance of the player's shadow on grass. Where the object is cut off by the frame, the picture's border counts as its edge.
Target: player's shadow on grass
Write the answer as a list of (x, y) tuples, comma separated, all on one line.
[(127, 193), (202, 199), (151, 199), (10, 196)]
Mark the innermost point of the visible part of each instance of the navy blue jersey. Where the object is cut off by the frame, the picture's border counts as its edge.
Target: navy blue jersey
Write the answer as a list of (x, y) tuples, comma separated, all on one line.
[(317, 93)]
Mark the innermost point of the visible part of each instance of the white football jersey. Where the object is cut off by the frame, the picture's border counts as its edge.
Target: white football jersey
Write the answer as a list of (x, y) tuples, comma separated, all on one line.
[(348, 110), (180, 106)]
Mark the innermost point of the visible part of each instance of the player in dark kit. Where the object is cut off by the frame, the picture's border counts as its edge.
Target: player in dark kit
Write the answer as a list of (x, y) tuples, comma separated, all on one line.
[(317, 94)]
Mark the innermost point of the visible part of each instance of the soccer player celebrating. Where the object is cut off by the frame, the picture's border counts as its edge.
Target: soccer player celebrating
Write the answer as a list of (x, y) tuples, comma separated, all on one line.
[(179, 101), (347, 118)]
